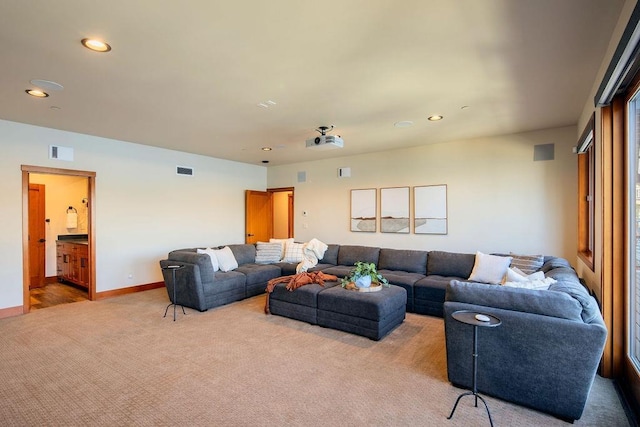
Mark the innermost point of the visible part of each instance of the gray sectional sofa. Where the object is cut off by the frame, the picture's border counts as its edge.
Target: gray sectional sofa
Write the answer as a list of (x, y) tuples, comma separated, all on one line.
[(544, 355)]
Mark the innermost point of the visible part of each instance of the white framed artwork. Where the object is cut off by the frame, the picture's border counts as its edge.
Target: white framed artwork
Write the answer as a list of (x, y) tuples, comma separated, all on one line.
[(394, 210), (364, 205), (430, 209)]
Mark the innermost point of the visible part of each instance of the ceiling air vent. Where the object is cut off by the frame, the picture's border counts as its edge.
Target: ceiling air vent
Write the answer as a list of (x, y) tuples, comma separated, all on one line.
[(183, 170)]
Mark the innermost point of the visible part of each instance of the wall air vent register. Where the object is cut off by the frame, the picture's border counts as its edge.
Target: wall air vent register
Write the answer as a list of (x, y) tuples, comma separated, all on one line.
[(183, 170)]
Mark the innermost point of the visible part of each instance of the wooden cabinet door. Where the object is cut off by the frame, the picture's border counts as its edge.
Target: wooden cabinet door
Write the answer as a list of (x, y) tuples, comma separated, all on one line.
[(82, 255), (59, 260)]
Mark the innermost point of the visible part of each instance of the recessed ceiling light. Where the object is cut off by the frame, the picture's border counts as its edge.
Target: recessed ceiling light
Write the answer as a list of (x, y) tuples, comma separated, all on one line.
[(265, 161), (96, 45), (267, 148), (403, 124), (37, 93), (435, 118)]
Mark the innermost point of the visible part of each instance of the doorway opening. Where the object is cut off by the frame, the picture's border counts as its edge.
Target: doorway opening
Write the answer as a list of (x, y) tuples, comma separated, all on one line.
[(269, 214), (282, 212), (57, 236)]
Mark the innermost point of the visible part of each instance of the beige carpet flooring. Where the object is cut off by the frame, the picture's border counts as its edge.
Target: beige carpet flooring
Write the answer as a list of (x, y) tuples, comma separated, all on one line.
[(118, 362)]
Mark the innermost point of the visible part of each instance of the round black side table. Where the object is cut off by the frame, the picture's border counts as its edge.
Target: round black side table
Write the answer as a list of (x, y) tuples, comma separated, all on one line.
[(173, 269), (476, 320)]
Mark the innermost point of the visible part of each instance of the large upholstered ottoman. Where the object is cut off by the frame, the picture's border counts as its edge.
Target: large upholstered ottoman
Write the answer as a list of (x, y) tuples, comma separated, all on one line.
[(300, 304), (370, 314)]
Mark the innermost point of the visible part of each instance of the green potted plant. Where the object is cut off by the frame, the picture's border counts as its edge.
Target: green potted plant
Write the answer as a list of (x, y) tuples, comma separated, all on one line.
[(364, 276)]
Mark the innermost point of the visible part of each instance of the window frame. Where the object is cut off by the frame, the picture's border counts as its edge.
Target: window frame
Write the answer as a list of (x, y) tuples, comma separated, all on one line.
[(587, 193)]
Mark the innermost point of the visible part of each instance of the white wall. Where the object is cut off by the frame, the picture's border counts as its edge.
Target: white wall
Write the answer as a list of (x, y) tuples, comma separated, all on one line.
[(143, 209), (499, 199)]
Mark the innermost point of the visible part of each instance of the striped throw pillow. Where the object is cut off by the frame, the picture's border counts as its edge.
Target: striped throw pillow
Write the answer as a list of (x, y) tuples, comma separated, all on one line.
[(268, 253), (528, 264)]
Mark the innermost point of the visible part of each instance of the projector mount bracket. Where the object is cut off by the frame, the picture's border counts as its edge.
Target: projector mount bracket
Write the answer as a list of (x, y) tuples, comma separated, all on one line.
[(323, 129)]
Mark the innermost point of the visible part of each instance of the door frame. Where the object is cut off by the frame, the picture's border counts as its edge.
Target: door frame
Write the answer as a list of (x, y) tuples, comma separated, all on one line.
[(91, 178)]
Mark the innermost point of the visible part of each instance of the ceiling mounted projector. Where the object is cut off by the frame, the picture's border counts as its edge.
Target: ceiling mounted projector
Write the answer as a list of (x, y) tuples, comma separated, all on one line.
[(325, 141)]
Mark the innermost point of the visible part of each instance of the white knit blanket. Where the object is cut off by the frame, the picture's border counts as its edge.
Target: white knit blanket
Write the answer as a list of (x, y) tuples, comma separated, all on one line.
[(312, 251)]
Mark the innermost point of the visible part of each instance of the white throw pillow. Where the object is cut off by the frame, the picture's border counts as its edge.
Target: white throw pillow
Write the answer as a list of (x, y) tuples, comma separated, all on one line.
[(293, 252), (226, 260), (268, 253), (489, 268), (514, 274), (212, 256), (283, 243)]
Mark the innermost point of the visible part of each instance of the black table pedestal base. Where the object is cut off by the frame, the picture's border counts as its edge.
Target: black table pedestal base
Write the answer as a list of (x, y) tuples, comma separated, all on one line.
[(477, 396), (473, 319), (174, 310), (173, 269)]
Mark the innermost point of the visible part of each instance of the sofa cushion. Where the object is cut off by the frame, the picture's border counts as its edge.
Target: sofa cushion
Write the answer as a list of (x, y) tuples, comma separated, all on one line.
[(306, 295), (551, 263), (590, 310), (450, 264), (330, 255), (433, 287), (546, 303), (348, 255), (489, 268), (373, 305), (339, 271), (244, 253), (405, 280), (258, 273), (410, 261)]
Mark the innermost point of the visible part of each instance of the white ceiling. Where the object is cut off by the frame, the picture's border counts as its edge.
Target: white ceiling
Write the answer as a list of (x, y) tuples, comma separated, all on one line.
[(188, 75)]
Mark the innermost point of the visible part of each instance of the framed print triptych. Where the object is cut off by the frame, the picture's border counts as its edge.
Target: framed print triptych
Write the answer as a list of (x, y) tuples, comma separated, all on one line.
[(429, 210)]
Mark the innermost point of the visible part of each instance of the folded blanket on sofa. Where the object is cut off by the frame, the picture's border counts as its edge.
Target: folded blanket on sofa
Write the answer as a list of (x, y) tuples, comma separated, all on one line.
[(313, 251)]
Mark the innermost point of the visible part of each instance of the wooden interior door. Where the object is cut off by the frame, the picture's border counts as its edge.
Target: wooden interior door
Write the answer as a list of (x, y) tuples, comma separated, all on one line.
[(36, 236), (258, 216)]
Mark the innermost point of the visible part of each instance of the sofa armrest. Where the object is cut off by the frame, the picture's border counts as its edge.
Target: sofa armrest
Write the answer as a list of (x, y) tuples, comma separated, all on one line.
[(189, 286), (201, 260)]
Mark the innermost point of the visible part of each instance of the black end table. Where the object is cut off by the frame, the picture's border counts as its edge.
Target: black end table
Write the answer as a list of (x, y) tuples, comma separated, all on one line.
[(476, 320), (173, 269)]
